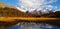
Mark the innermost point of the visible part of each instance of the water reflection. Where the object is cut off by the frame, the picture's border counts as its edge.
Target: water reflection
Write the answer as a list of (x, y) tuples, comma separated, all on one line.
[(32, 25)]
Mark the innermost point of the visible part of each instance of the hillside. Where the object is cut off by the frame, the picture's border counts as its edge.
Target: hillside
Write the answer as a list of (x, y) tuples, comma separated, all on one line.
[(14, 12), (11, 11), (52, 15)]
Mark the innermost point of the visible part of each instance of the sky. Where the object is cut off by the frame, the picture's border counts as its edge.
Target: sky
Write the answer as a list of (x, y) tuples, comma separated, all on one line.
[(32, 5)]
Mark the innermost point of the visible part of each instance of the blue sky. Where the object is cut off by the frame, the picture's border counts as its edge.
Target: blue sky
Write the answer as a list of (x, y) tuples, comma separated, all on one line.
[(16, 3), (10, 2)]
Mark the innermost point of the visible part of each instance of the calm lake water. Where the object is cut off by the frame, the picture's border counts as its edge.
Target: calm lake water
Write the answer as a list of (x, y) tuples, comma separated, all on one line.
[(32, 25)]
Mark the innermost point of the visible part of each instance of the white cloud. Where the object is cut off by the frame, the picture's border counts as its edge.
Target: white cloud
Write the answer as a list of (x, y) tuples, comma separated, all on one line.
[(56, 7), (51, 1), (38, 5), (49, 7)]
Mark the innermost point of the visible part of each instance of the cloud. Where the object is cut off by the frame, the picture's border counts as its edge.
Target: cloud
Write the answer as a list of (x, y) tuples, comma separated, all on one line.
[(51, 1), (37, 5)]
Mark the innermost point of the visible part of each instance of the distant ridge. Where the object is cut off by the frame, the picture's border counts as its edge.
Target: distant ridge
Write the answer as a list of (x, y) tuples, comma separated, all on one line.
[(11, 11)]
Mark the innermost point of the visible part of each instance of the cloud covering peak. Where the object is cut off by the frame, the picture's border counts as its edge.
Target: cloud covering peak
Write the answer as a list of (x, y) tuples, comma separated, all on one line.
[(38, 5)]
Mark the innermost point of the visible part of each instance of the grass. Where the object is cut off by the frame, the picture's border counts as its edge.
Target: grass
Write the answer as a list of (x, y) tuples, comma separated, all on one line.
[(10, 19)]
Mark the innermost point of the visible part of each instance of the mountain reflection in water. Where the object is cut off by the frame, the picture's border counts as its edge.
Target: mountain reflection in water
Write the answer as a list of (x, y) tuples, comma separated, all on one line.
[(32, 25)]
